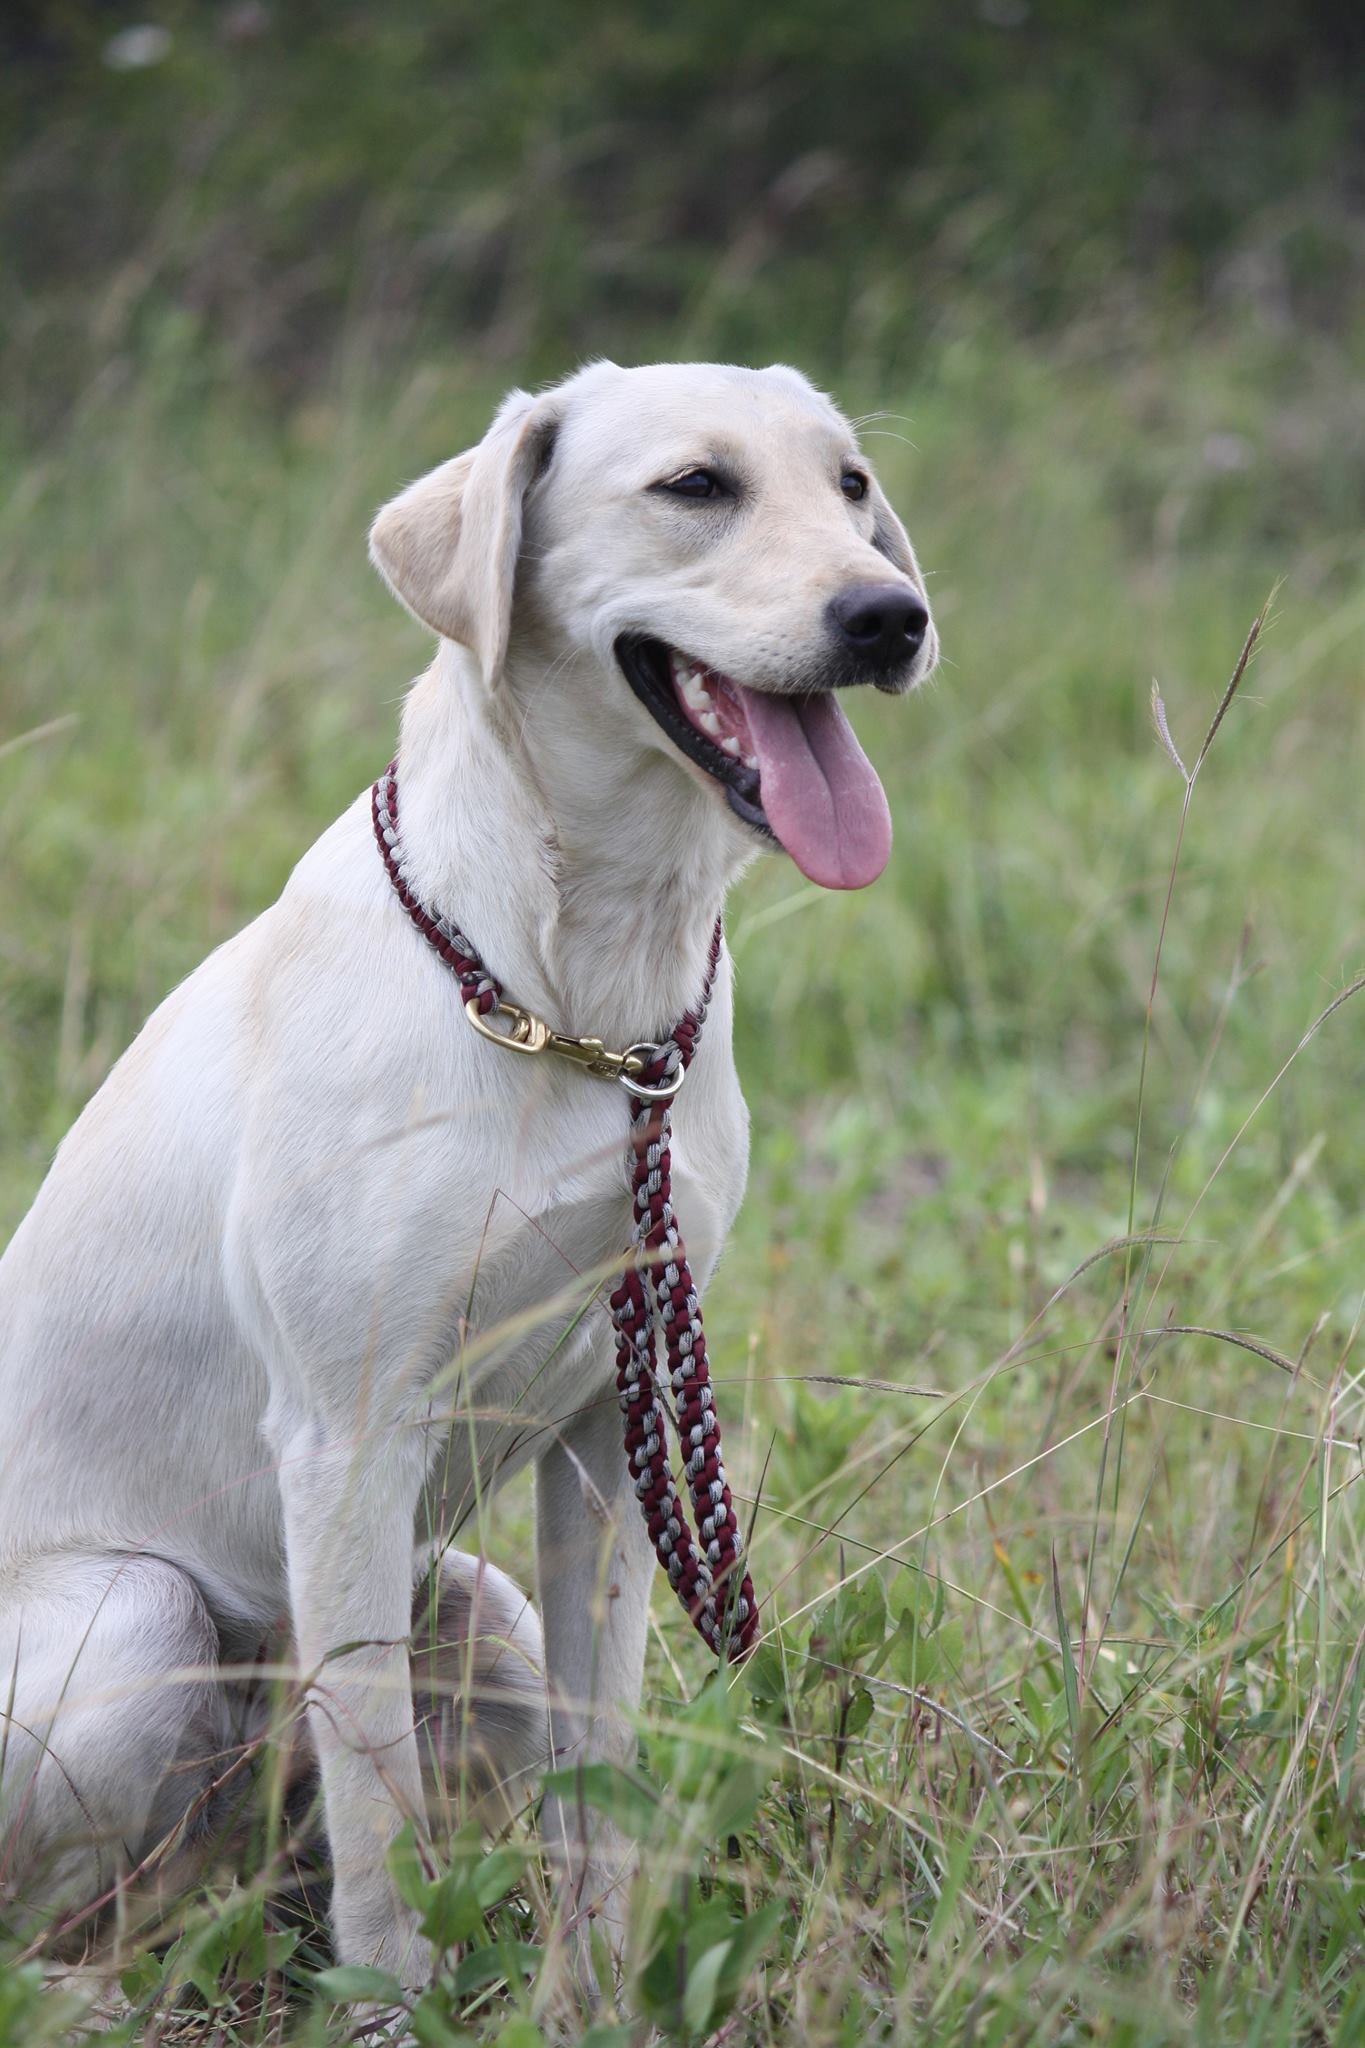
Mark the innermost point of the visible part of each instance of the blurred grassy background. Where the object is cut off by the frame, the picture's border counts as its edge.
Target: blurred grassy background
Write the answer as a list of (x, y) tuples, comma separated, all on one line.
[(1099, 277)]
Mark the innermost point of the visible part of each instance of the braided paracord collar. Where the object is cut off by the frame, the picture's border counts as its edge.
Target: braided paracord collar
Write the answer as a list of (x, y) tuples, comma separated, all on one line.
[(707, 1571)]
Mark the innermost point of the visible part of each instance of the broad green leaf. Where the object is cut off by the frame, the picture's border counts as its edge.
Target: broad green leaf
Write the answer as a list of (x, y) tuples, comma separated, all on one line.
[(351, 1982), (141, 1978), (453, 1911), (765, 1676), (860, 1709), (703, 1982), (492, 1965), (622, 1795), (496, 1875), (753, 1934), (405, 1868)]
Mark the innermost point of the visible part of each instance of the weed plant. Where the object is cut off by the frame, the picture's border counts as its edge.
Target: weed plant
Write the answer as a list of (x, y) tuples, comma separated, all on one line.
[(1038, 1337)]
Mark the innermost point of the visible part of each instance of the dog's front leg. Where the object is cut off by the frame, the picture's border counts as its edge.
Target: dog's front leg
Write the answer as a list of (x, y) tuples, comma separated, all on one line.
[(349, 1513), (596, 1569)]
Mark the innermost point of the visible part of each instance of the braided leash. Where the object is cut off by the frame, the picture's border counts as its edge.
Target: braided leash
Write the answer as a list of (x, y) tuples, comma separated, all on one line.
[(706, 1572)]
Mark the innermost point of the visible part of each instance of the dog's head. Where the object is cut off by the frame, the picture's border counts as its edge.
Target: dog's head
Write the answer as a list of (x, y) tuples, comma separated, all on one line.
[(704, 556)]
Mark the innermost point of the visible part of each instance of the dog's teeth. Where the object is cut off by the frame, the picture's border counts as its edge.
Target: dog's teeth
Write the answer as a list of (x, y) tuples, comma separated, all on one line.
[(749, 760), (710, 723), (730, 744)]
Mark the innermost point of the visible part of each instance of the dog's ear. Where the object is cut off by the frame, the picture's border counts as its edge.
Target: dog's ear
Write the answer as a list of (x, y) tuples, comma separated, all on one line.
[(890, 538), (447, 546)]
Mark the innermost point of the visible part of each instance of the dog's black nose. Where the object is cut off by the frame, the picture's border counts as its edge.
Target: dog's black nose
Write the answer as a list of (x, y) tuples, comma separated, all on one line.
[(884, 624)]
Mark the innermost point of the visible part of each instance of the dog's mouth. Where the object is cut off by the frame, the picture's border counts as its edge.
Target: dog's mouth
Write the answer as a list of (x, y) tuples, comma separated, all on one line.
[(790, 766)]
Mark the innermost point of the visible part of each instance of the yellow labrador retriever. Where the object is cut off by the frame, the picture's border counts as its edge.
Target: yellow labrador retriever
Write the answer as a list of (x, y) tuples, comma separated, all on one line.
[(301, 1282)]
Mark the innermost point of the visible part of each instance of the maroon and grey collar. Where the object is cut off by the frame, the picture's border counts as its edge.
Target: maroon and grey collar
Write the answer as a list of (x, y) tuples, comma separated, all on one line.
[(706, 1570)]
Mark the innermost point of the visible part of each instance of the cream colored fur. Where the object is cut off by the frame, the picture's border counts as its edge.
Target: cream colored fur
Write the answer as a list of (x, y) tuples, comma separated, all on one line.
[(249, 1361)]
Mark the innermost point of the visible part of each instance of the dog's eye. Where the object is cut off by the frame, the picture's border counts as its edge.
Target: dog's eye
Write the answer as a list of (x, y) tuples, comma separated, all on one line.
[(853, 485), (694, 483)]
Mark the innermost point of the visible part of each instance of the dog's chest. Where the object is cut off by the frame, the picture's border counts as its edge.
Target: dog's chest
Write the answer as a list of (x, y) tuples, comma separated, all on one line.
[(554, 1244), (534, 1345)]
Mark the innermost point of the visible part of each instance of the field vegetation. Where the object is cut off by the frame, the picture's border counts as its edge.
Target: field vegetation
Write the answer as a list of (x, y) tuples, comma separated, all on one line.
[(1039, 1338)]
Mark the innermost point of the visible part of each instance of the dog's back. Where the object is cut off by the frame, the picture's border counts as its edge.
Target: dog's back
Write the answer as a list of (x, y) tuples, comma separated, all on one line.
[(128, 1397)]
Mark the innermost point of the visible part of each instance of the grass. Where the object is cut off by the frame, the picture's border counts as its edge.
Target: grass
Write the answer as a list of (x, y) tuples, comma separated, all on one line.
[(1054, 1737)]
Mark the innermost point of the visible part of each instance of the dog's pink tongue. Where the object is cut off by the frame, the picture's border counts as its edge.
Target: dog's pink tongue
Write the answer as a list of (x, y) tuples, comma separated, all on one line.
[(818, 789)]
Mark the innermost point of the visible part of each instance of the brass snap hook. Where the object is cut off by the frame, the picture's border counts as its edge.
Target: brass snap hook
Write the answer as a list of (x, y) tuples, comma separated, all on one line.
[(528, 1033)]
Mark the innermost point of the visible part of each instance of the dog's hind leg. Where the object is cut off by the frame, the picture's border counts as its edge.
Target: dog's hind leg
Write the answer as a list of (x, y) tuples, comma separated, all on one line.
[(113, 1728), (478, 1692)]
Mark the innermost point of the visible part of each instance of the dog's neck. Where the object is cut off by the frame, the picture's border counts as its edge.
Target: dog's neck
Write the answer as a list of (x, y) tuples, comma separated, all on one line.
[(587, 870)]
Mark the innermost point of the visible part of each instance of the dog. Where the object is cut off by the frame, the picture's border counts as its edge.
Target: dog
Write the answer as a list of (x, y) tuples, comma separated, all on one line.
[(316, 1268)]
